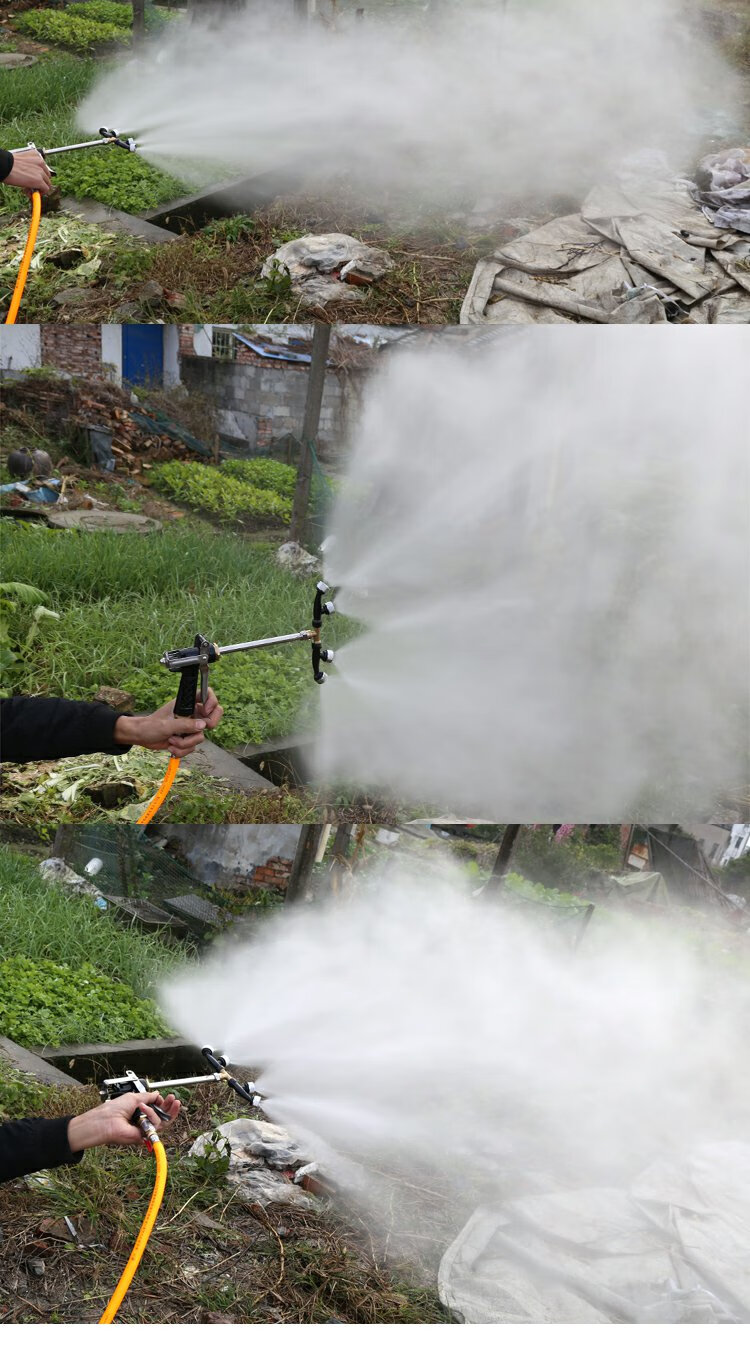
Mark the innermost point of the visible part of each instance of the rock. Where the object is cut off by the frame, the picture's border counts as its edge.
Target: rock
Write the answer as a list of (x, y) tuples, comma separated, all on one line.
[(296, 559), (75, 295), (119, 700), (151, 290)]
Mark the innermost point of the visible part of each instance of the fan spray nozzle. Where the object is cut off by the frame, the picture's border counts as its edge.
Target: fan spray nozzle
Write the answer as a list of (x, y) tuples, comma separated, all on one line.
[(112, 1087), (193, 663)]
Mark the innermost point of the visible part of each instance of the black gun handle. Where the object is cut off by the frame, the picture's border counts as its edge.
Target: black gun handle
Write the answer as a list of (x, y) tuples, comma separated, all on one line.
[(184, 705)]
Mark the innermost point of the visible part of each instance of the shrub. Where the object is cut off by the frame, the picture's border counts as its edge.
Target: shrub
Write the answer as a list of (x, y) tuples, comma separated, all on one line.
[(44, 1002), (209, 488), (103, 12), (85, 24), (70, 30), (263, 473)]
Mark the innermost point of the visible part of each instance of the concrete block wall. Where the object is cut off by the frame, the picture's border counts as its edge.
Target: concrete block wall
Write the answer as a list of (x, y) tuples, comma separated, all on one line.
[(257, 400)]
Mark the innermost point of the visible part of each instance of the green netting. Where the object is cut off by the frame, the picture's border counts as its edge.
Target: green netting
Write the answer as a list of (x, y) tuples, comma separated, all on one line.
[(321, 501), (161, 425), (134, 869)]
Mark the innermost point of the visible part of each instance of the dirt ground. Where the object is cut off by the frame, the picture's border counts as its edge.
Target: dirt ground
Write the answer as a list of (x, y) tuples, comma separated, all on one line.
[(213, 1258)]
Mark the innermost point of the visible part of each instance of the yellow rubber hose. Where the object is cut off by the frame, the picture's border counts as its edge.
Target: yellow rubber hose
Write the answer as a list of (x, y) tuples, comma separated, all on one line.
[(161, 794), (144, 1234), (28, 253)]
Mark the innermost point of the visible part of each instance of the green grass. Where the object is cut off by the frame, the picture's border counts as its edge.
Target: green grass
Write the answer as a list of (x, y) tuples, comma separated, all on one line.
[(128, 598), (40, 919)]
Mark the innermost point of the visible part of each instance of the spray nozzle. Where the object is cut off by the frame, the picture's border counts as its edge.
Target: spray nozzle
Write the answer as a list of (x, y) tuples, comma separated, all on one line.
[(121, 140), (118, 1086)]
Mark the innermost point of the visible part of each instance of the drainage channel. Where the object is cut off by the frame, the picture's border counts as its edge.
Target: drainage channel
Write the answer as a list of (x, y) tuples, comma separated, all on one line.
[(282, 761), (221, 200)]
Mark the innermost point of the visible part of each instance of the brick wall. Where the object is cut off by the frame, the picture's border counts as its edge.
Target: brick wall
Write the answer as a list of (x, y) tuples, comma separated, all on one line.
[(275, 873), (73, 348)]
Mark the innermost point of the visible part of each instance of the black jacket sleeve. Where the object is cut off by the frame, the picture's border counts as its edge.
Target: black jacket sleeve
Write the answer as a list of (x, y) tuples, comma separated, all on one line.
[(31, 1145), (38, 728), (6, 163)]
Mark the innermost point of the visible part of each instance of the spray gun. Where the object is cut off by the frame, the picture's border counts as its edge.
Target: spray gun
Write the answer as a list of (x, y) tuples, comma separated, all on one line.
[(110, 136), (130, 1082), (194, 662)]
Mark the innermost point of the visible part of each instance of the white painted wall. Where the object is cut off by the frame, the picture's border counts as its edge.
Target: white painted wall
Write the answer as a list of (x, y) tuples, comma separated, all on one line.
[(20, 347), (112, 349), (171, 356)]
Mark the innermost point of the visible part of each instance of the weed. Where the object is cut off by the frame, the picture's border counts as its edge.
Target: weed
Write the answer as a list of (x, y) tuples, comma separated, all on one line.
[(52, 1003), (23, 615)]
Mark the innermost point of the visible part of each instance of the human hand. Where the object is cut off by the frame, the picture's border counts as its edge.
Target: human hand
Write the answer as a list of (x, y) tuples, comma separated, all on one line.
[(29, 172), (164, 730), (111, 1123)]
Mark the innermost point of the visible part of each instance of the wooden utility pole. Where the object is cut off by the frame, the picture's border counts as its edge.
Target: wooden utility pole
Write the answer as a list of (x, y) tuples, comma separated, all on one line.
[(504, 854), (316, 382), (304, 861), (139, 20)]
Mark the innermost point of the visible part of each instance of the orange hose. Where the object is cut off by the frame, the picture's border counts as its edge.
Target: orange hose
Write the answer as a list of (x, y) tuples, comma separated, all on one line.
[(144, 1234), (162, 792), (28, 253)]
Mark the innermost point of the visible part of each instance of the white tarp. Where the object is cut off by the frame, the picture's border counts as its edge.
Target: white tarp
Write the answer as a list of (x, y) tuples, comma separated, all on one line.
[(640, 251), (673, 1249)]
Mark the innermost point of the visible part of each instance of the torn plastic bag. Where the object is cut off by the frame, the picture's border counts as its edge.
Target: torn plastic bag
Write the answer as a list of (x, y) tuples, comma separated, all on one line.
[(329, 266)]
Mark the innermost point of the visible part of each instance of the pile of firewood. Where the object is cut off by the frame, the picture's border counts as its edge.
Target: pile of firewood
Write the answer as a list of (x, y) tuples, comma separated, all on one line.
[(62, 407)]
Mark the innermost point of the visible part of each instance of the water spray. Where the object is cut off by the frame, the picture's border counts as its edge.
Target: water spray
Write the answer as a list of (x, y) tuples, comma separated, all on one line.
[(114, 1087), (193, 664), (108, 136)]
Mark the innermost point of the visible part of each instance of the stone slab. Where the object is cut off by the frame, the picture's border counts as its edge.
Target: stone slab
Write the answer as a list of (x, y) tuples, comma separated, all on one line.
[(35, 1065), (116, 221)]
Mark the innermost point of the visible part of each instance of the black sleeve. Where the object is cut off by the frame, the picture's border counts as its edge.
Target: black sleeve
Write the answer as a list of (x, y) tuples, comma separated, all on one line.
[(31, 1145), (6, 163), (37, 728)]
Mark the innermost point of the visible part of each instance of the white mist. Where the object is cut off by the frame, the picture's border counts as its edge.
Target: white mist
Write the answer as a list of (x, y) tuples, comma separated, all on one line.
[(547, 544), (493, 98)]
